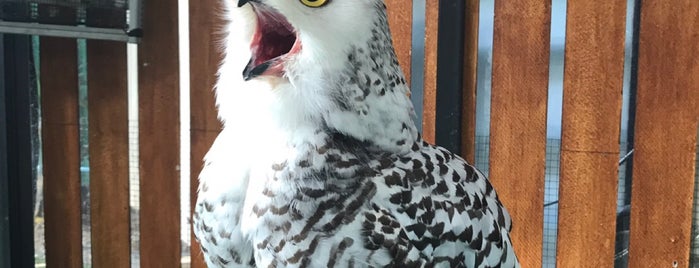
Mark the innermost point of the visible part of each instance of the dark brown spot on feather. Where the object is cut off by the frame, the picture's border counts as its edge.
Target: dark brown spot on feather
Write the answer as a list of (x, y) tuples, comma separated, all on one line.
[(224, 234), (208, 206), (304, 164), (279, 166)]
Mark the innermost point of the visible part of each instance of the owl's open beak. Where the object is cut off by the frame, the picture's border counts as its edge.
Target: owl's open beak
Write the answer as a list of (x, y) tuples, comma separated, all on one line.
[(273, 42)]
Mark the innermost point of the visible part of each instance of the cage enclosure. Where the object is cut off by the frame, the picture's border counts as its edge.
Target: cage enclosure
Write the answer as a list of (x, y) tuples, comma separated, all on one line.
[(90, 19)]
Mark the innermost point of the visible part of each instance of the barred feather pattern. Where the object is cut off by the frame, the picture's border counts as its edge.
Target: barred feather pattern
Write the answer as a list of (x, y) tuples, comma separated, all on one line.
[(337, 203), (349, 184)]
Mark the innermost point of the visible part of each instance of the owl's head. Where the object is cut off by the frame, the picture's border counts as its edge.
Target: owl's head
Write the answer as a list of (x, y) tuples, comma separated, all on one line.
[(293, 35), (315, 64)]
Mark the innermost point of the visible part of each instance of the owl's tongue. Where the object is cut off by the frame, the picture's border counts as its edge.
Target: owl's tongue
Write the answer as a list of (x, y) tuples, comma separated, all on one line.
[(273, 39)]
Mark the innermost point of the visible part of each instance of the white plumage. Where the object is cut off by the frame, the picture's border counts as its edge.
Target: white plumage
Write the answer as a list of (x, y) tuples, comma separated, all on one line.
[(319, 163)]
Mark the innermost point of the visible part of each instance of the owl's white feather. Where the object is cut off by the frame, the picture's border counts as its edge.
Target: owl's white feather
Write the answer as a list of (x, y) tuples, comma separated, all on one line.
[(319, 162)]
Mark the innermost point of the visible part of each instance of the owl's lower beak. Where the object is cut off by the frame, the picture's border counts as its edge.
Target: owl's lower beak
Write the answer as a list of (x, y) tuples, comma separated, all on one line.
[(242, 2), (251, 70)]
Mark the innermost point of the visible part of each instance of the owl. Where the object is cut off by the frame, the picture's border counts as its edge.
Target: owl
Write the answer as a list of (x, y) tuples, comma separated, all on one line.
[(319, 162)]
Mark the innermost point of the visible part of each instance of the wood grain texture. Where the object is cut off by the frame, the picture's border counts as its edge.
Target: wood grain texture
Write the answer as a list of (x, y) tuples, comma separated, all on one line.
[(518, 118), (109, 153), (665, 134), (468, 111), (206, 27), (159, 139), (61, 151), (400, 20), (429, 111), (594, 65)]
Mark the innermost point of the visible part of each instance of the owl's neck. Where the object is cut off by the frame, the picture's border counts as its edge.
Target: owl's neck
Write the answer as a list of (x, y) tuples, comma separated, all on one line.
[(373, 103), (367, 97)]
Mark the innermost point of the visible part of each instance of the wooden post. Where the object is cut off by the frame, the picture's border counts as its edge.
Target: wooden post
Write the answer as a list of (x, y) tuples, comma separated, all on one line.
[(109, 153), (468, 111), (594, 65), (205, 38), (666, 130), (159, 139), (518, 118), (61, 151), (430, 81), (400, 19)]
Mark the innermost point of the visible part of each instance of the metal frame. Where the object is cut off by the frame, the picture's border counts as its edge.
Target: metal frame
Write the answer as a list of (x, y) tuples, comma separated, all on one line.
[(132, 34), (134, 19), (69, 31)]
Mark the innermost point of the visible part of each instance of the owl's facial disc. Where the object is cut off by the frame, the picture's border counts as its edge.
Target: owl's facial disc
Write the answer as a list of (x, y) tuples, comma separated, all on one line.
[(273, 42)]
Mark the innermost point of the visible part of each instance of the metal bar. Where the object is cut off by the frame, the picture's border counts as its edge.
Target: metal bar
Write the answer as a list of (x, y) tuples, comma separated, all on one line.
[(134, 18), (625, 157), (26, 28), (633, 82), (450, 56), (551, 203), (417, 63), (17, 53), (621, 257), (4, 213)]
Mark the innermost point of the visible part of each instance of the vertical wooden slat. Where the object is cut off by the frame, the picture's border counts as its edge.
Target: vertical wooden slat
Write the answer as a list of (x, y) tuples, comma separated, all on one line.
[(201, 141), (205, 36), (665, 141), (594, 65), (400, 19), (159, 139), (430, 80), (468, 125), (518, 118), (61, 151), (109, 153)]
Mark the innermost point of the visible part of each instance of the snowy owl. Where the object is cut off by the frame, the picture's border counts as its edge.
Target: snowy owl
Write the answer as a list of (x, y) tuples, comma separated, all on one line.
[(319, 163)]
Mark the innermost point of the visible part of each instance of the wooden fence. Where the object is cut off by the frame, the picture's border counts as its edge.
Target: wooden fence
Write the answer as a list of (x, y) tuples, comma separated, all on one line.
[(667, 108)]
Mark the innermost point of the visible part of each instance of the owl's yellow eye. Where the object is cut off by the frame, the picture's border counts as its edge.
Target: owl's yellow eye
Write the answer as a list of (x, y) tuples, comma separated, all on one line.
[(314, 3)]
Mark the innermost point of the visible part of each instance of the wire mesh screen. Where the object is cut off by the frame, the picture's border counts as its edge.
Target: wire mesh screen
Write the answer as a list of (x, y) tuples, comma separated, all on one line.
[(553, 152), (694, 252), (134, 188), (92, 13), (553, 167), (621, 250), (482, 154)]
